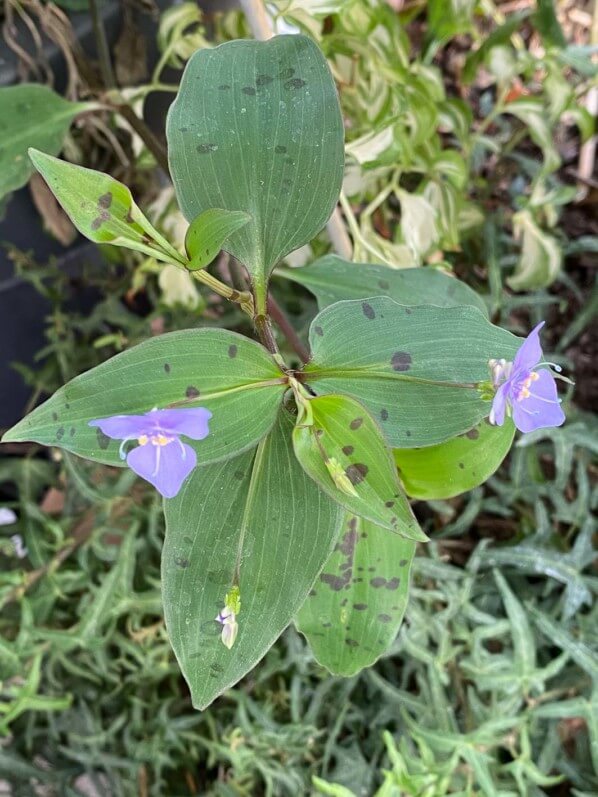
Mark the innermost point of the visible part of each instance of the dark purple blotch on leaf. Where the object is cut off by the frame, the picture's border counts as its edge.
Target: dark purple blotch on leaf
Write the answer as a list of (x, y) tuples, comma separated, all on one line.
[(357, 472), (400, 361), (368, 310)]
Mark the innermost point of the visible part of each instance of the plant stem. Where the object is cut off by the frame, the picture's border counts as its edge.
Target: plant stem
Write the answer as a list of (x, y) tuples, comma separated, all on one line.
[(265, 333), (287, 329), (147, 136), (243, 298), (257, 19), (109, 80), (99, 33)]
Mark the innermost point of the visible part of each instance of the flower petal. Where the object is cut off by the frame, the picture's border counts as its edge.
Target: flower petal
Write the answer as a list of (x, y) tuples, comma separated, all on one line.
[(166, 467), (542, 408), (530, 351), (121, 427), (499, 404), (191, 421)]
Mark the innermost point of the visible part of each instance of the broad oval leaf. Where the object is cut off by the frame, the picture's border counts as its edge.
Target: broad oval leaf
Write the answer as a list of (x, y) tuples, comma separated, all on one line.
[(208, 232), (333, 279), (414, 368), (229, 374), (342, 435), (259, 511), (102, 208), (256, 127), (355, 610), (32, 116), (457, 465)]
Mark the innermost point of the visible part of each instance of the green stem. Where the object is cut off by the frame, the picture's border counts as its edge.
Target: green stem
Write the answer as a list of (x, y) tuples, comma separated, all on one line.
[(242, 298), (99, 33)]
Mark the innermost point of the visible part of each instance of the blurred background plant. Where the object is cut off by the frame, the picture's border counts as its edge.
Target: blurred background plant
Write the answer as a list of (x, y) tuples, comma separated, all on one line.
[(469, 149)]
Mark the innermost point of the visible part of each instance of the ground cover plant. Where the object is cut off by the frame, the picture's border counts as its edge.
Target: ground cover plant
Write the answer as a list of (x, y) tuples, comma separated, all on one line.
[(285, 462)]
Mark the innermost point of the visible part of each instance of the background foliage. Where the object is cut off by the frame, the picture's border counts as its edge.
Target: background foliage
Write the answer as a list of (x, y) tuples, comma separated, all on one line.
[(464, 123)]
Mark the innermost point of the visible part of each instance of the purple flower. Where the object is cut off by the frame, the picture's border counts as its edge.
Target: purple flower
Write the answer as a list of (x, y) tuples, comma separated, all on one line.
[(160, 457), (528, 394)]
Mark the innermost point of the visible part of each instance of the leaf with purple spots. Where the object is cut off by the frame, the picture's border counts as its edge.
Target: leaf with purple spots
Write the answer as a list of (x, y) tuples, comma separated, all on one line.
[(342, 449), (185, 369), (359, 599), (332, 279), (256, 522), (457, 465), (102, 209), (417, 368), (244, 138)]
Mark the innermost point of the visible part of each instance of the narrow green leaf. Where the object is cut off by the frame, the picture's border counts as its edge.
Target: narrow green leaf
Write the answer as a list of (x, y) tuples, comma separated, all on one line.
[(457, 465), (546, 23), (501, 35), (414, 368), (32, 116), (524, 648), (256, 127), (584, 655), (333, 279), (258, 520), (355, 610), (208, 232), (229, 374), (101, 208), (343, 450)]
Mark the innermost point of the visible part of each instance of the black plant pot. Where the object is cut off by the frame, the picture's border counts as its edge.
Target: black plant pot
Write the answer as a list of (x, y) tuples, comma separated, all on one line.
[(22, 309)]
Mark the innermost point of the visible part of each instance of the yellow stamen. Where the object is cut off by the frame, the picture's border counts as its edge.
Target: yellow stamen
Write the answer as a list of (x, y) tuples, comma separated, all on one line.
[(142, 440), (534, 376), (524, 394), (160, 440)]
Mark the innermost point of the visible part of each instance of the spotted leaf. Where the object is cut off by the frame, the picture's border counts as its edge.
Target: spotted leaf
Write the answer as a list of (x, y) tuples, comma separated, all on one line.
[(232, 376), (457, 465), (333, 279), (101, 208), (416, 369), (355, 610), (256, 127), (343, 450), (258, 520)]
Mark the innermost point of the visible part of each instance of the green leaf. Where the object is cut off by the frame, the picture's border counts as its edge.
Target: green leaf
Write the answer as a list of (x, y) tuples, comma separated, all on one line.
[(447, 18), (229, 374), (101, 208), (256, 127), (343, 450), (546, 23), (259, 511), (414, 368), (356, 607), (333, 279), (456, 465), (541, 256), (32, 116), (499, 36), (208, 232), (532, 112)]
